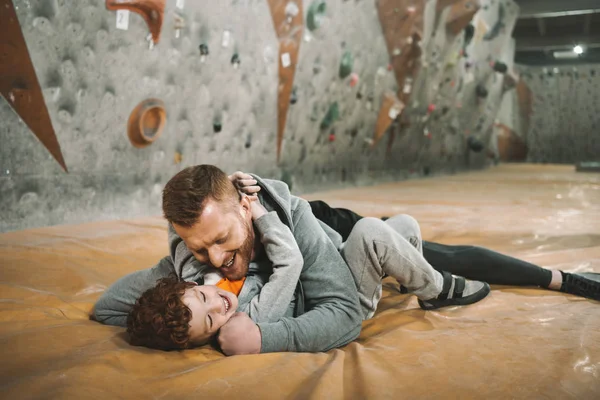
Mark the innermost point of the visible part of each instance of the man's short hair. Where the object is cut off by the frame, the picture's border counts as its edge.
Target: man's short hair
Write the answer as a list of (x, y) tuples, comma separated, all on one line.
[(159, 319), (185, 194)]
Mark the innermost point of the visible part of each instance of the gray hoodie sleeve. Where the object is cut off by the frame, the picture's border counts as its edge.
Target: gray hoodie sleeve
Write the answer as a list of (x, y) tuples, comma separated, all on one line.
[(113, 307), (333, 316), (283, 252)]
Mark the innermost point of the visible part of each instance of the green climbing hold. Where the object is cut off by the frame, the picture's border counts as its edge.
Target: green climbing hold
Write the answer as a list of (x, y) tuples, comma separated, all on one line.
[(333, 114), (287, 177), (346, 65), (315, 13)]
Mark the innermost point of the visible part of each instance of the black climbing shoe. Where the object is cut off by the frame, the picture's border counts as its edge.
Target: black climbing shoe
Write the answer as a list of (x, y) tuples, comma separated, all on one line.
[(457, 291), (585, 284)]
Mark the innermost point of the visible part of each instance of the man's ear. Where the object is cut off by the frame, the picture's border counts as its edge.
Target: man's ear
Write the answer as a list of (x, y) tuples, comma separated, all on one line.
[(245, 207)]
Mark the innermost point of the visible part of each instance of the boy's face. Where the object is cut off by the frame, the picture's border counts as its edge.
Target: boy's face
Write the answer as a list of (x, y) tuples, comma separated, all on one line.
[(211, 308)]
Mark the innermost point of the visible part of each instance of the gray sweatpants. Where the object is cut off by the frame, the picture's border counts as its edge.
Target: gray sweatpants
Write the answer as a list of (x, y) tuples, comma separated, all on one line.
[(393, 247)]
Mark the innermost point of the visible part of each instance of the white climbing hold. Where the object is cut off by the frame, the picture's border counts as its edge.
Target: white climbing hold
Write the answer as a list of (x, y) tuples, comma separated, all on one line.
[(180, 4)]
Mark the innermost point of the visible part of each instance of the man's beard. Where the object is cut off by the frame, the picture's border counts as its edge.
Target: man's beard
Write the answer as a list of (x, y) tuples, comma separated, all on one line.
[(242, 256)]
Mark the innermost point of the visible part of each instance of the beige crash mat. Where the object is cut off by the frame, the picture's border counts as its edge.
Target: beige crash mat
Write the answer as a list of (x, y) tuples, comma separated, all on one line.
[(522, 343)]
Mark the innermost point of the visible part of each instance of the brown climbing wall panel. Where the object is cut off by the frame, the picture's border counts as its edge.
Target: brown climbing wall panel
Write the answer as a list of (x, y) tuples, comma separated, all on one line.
[(402, 24), (525, 102), (390, 108), (511, 148), (151, 10), (460, 15), (19, 83), (289, 28)]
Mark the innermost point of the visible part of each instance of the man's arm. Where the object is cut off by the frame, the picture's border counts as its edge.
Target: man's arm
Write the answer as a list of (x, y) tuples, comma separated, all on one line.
[(333, 318), (113, 307), (283, 252)]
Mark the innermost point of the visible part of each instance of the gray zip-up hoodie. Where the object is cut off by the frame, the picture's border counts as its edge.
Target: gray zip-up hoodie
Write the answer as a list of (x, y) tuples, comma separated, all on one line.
[(326, 298)]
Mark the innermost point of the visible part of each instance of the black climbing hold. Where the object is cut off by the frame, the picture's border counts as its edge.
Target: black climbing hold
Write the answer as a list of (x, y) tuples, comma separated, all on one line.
[(217, 126), (287, 177), (315, 14), (499, 66), (294, 96), (359, 95), (332, 115), (235, 60), (469, 33), (481, 91), (203, 49), (475, 144), (248, 143), (426, 171), (346, 65)]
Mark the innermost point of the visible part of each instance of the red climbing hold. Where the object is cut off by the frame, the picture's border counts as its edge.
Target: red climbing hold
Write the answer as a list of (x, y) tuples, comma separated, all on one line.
[(430, 108), (353, 79), (332, 137)]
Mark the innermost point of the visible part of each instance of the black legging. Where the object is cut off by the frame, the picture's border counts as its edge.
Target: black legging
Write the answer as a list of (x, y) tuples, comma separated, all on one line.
[(472, 262)]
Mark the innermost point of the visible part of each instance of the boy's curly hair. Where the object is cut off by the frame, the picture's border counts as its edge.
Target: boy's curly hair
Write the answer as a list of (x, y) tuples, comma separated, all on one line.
[(160, 319)]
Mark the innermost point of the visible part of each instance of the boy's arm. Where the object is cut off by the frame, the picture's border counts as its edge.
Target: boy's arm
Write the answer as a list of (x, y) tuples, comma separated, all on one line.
[(283, 252), (334, 316), (113, 307)]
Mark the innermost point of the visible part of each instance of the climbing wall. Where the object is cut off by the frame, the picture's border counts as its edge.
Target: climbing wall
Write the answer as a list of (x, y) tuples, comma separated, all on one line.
[(319, 94), (564, 121)]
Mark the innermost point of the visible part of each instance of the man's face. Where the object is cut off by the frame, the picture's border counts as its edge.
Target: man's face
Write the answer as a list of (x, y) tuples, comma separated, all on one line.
[(223, 237), (211, 308)]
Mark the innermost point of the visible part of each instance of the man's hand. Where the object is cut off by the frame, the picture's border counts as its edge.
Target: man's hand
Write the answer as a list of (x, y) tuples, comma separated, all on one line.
[(244, 183), (240, 335)]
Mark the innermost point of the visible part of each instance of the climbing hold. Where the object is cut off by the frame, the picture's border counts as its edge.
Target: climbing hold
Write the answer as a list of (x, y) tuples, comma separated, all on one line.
[(469, 33), (235, 60), (475, 144), (294, 96), (248, 143), (426, 171), (152, 12), (430, 108), (178, 157), (332, 137), (203, 52), (203, 49), (291, 10), (287, 178), (481, 91), (332, 115), (427, 133), (499, 66), (146, 122), (315, 14), (217, 125), (353, 79), (346, 64), (396, 52)]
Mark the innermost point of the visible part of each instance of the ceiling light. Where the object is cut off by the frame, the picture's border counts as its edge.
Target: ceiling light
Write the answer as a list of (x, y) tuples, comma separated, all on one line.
[(578, 49)]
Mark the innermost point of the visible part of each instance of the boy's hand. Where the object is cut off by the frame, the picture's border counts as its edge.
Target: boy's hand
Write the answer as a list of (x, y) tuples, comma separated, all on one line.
[(240, 335), (244, 183), (258, 210)]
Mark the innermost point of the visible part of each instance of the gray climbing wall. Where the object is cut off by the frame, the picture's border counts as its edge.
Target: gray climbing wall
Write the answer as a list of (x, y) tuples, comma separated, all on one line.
[(564, 126), (93, 75)]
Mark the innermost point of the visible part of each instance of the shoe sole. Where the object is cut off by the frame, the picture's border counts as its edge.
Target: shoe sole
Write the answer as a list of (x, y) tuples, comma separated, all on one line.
[(461, 301)]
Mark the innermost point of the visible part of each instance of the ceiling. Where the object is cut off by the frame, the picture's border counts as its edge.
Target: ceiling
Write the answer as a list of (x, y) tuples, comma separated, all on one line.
[(545, 27)]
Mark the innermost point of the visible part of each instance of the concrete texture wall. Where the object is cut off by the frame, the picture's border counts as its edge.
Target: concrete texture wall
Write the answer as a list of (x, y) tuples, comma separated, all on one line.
[(565, 122), (93, 75)]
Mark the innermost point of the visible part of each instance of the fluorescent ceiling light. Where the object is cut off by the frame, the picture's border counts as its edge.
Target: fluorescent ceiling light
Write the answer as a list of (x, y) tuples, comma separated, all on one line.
[(578, 49)]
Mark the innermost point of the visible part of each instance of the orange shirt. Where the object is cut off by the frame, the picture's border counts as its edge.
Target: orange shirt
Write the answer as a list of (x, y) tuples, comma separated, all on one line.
[(234, 287)]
